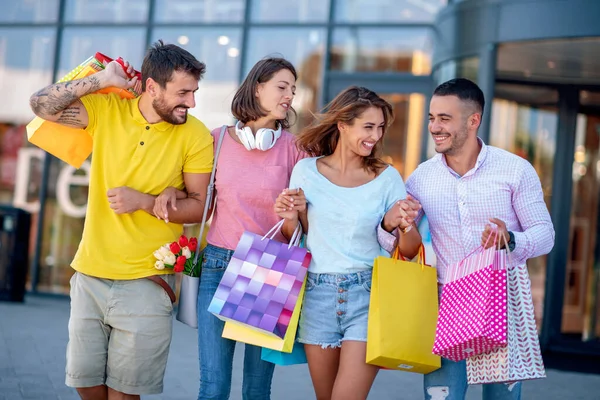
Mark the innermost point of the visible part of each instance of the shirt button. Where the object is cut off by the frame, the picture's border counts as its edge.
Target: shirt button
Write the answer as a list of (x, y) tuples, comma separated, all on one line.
[(141, 143), (147, 128), (340, 290), (340, 313), (340, 301)]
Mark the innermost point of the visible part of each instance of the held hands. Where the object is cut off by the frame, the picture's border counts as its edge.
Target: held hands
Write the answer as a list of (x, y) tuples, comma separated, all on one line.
[(489, 233), (290, 203), (115, 75), (124, 200), (402, 214), (162, 201)]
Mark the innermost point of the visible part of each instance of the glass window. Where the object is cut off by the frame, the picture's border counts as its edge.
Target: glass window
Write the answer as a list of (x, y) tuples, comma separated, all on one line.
[(529, 131), (382, 50), (81, 43), (106, 11), (581, 307), (379, 11), (219, 49), (199, 11), (65, 208), (290, 10), (26, 60), (29, 10), (303, 47), (402, 142), (463, 68)]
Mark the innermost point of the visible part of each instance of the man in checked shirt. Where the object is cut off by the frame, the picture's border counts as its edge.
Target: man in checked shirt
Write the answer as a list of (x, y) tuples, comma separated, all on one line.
[(465, 190)]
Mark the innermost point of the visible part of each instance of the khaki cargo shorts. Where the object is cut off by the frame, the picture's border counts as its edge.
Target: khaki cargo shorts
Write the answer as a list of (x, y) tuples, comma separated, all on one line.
[(119, 334)]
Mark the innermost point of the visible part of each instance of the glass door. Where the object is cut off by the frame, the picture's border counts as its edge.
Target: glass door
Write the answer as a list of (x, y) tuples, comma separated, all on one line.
[(581, 309)]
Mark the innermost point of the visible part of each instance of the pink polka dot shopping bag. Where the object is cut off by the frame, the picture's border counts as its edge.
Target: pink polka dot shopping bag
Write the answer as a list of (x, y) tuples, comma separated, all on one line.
[(473, 307)]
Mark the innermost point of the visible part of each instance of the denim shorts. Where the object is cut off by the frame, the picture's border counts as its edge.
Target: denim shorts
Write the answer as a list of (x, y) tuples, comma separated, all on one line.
[(335, 308)]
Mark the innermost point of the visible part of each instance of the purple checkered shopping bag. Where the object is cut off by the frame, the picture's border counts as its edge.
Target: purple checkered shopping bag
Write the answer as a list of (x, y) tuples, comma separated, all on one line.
[(262, 282), (472, 317)]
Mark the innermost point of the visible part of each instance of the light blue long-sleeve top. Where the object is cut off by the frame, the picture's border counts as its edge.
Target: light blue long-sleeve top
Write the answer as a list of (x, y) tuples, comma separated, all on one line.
[(342, 222)]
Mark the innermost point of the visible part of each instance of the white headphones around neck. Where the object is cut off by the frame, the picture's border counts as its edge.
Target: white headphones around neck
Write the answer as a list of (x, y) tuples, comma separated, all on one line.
[(264, 139)]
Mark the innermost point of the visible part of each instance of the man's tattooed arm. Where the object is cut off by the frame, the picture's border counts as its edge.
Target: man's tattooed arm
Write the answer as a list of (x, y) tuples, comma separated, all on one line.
[(60, 102)]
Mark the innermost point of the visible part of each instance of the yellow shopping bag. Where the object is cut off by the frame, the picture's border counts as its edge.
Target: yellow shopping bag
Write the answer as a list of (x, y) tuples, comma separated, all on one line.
[(72, 145), (244, 333), (402, 315)]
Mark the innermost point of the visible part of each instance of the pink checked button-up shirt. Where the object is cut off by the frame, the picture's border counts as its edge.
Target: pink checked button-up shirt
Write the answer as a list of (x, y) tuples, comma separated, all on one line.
[(501, 185)]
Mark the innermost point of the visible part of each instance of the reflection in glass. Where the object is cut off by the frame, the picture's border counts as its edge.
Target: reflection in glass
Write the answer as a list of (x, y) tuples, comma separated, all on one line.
[(106, 11), (218, 48), (304, 48), (290, 10), (382, 50), (29, 10), (26, 59), (63, 224), (81, 43), (531, 134), (402, 142), (581, 299), (199, 11), (379, 11)]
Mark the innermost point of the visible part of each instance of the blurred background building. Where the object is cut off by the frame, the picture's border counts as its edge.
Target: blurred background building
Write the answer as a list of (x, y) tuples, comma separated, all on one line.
[(538, 62)]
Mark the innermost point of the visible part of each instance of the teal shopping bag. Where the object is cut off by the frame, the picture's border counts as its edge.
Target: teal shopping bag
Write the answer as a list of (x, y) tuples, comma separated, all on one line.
[(297, 356)]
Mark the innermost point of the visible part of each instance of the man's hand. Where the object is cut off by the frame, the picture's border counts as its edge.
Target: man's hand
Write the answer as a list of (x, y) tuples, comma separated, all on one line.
[(487, 237), (161, 203), (290, 203), (114, 75), (125, 200), (402, 214)]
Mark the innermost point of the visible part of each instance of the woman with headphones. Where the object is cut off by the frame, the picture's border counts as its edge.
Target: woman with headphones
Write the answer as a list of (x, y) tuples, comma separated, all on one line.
[(254, 165)]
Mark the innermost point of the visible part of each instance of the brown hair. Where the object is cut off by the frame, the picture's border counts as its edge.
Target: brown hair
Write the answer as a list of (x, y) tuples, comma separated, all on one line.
[(322, 137), (245, 106), (162, 60)]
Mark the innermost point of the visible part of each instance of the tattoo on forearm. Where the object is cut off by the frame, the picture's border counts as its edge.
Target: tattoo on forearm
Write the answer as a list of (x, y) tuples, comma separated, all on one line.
[(71, 117), (195, 195), (58, 97)]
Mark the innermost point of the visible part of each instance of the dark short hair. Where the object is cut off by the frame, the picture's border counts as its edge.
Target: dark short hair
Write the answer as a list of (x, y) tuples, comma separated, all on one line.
[(245, 106), (464, 89), (162, 60)]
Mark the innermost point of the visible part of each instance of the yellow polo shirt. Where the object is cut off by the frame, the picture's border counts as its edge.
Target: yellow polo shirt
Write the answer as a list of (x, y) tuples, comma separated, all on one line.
[(128, 151)]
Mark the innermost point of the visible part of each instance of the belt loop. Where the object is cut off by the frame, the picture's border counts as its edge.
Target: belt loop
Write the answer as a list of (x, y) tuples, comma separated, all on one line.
[(360, 278)]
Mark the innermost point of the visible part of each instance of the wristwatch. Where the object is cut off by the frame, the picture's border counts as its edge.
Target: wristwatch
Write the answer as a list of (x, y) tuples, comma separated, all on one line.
[(511, 241)]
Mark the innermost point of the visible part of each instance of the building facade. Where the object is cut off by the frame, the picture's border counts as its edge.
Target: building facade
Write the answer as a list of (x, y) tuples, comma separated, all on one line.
[(536, 60)]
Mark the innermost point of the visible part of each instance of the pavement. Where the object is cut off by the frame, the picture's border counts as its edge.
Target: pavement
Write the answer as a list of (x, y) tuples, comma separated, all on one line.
[(33, 337)]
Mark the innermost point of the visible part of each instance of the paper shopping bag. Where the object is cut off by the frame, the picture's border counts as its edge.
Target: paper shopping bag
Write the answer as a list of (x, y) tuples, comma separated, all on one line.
[(72, 145), (243, 333), (297, 356), (522, 358), (402, 315), (473, 317), (261, 285)]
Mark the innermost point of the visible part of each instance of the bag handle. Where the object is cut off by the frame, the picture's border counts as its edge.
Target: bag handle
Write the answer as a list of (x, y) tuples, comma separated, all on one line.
[(209, 194), (420, 260), (296, 236)]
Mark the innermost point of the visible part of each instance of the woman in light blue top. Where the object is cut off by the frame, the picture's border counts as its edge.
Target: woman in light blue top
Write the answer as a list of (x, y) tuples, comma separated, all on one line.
[(340, 195)]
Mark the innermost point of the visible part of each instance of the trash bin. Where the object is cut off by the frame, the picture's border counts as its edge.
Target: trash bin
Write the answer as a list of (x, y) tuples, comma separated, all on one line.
[(15, 226)]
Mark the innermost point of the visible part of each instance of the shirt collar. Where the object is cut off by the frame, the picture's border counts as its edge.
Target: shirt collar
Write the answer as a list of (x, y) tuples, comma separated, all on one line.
[(139, 118), (480, 159)]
